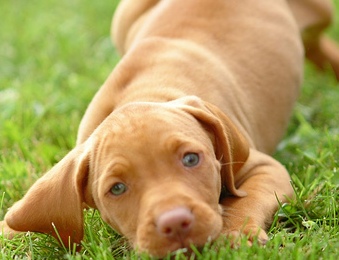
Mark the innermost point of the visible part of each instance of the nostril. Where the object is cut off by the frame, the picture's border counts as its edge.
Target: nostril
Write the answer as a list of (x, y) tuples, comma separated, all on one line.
[(175, 223), (167, 231), (185, 224)]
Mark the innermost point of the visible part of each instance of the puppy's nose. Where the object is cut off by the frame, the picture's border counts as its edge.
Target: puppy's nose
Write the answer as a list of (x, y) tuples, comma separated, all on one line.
[(176, 223)]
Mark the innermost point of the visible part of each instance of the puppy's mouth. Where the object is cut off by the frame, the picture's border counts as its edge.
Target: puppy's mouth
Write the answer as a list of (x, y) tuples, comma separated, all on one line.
[(179, 228)]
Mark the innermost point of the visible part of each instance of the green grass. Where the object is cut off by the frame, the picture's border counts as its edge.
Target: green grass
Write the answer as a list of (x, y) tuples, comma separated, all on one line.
[(53, 57)]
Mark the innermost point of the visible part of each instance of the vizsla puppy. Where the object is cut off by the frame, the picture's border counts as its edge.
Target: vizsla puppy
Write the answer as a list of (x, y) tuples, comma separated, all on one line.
[(174, 148)]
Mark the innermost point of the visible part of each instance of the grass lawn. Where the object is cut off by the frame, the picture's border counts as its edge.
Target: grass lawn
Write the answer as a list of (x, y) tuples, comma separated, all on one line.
[(54, 55)]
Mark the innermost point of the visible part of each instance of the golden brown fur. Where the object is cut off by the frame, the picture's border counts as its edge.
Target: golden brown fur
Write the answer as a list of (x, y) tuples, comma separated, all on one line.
[(216, 79)]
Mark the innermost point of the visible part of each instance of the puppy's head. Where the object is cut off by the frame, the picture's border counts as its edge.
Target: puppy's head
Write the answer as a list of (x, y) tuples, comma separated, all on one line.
[(154, 171)]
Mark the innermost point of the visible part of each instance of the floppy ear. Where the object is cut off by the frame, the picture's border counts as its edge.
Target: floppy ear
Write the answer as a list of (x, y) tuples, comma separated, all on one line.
[(231, 146), (54, 202)]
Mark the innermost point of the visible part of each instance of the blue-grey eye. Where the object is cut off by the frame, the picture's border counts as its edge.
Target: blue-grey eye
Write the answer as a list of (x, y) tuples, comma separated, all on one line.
[(190, 159), (118, 188)]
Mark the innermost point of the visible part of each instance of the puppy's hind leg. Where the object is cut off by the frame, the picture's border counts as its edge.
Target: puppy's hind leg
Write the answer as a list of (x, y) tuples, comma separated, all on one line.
[(327, 52), (313, 17)]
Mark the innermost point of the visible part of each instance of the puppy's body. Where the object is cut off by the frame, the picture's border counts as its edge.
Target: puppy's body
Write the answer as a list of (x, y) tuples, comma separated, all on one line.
[(249, 64), (173, 148)]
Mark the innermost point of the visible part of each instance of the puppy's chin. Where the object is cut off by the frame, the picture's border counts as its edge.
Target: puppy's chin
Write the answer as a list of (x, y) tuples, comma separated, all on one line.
[(161, 248), (205, 227)]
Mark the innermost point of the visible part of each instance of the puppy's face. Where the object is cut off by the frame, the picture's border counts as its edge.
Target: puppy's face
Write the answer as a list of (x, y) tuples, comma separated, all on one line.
[(156, 178), (153, 172)]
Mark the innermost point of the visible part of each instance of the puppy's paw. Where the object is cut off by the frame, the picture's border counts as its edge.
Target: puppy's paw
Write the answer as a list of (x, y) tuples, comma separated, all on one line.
[(6, 231), (251, 233)]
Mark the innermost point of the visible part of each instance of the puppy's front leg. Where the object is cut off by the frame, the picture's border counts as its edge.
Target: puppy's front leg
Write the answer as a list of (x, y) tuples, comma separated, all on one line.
[(263, 179)]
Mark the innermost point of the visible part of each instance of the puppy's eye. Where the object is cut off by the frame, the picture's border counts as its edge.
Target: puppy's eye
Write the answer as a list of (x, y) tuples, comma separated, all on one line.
[(190, 159), (118, 188)]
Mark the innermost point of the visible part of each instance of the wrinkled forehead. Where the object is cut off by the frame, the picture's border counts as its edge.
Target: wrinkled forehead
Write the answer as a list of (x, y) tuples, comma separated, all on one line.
[(147, 123), (146, 116)]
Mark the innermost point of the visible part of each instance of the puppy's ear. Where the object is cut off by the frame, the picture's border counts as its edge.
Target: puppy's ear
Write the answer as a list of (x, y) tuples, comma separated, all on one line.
[(231, 147), (55, 201)]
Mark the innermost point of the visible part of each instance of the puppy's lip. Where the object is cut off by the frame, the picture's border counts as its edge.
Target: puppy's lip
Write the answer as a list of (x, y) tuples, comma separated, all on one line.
[(175, 246), (172, 245), (186, 245)]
